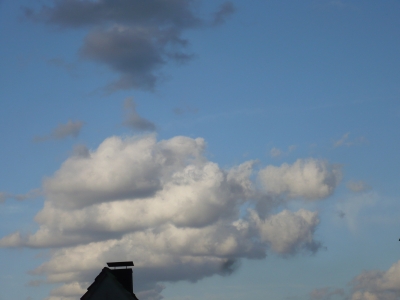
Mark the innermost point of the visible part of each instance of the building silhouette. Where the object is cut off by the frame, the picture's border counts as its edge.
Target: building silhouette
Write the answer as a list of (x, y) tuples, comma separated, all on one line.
[(112, 284)]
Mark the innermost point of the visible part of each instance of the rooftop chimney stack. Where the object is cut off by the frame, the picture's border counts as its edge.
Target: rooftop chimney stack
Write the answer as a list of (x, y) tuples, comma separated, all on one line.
[(124, 276)]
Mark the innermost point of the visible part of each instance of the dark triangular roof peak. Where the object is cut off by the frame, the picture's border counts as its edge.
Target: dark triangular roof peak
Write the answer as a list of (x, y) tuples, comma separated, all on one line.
[(106, 286)]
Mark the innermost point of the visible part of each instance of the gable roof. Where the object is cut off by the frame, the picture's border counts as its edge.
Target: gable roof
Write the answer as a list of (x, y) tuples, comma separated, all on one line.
[(107, 287)]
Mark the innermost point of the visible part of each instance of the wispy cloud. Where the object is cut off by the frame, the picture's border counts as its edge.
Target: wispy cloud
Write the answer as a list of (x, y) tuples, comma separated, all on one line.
[(61, 63), (326, 293), (358, 186), (71, 128), (276, 152), (20, 197), (133, 120), (185, 110), (352, 209), (346, 141), (224, 11)]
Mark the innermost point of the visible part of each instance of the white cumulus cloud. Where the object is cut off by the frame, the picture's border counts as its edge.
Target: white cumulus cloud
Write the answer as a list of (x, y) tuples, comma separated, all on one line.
[(164, 205), (377, 285), (310, 179), (287, 232)]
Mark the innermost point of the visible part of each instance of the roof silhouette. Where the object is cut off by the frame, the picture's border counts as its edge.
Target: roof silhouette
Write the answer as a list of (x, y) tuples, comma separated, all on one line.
[(106, 286)]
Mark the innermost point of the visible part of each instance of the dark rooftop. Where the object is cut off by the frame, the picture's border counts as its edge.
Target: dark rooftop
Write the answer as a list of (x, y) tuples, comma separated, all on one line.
[(120, 264)]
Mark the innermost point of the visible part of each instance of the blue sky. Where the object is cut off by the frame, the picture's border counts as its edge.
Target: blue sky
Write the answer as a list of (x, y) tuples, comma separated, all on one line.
[(230, 149)]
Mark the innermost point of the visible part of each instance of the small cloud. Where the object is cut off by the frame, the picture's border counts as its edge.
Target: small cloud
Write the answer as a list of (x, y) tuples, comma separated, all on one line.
[(4, 196), (326, 293), (341, 214), (133, 119), (346, 141), (60, 63), (71, 128), (358, 186), (225, 10), (342, 141), (276, 152), (185, 110)]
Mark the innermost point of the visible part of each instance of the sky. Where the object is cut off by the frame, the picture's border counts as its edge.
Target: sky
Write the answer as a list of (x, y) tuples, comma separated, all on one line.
[(231, 150)]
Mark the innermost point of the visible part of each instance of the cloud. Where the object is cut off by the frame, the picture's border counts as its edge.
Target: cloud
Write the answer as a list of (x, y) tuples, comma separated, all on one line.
[(276, 152), (134, 38), (72, 128), (81, 151), (80, 13), (368, 285), (357, 186), (132, 118), (153, 294), (352, 207), (164, 205), (326, 293), (310, 179), (135, 53), (61, 63), (377, 285), (20, 197), (225, 10), (288, 232), (346, 141), (185, 110)]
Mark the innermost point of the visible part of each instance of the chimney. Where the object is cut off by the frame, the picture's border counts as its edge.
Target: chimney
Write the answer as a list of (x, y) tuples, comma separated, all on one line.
[(124, 276)]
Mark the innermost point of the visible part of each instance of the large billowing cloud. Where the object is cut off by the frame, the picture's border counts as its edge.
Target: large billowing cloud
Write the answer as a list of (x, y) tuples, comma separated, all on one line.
[(132, 37), (164, 205)]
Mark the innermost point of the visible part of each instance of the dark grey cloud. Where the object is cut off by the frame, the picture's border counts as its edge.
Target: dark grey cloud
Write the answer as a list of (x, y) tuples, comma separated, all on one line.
[(134, 38), (225, 10), (133, 119), (229, 266), (134, 52), (80, 13), (71, 128)]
